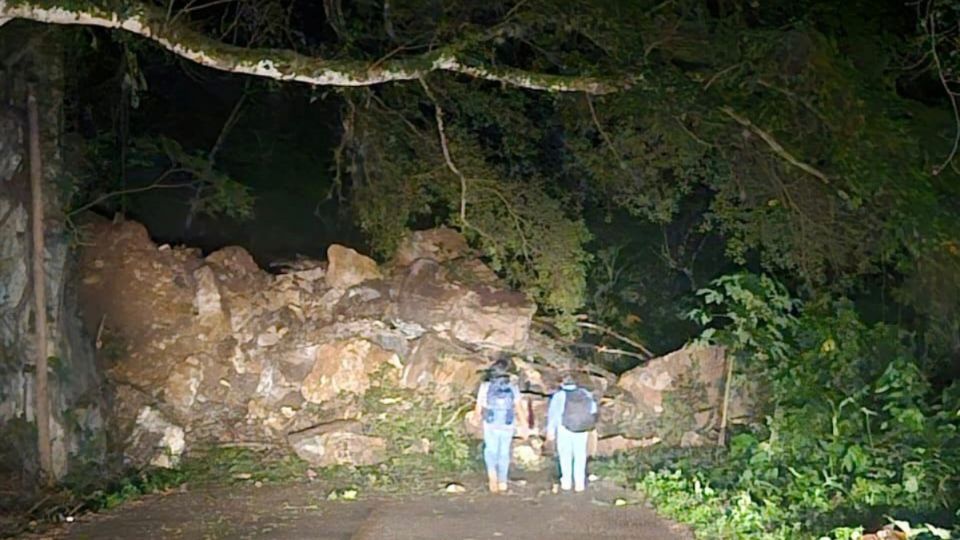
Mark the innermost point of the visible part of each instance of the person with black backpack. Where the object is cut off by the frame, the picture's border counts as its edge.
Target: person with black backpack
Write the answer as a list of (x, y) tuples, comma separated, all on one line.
[(571, 416), (498, 403)]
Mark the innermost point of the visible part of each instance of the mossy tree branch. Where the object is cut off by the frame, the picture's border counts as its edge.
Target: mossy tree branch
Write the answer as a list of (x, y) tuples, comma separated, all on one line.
[(152, 23)]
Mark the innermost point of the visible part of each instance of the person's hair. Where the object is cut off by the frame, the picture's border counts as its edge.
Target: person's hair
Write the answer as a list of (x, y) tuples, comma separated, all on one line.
[(500, 367)]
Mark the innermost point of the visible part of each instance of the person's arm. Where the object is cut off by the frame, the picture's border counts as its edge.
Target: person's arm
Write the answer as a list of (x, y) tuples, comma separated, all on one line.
[(554, 415), (520, 414)]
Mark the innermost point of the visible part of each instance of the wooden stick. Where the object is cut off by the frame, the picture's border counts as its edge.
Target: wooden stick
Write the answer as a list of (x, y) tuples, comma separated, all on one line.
[(727, 383), (39, 291)]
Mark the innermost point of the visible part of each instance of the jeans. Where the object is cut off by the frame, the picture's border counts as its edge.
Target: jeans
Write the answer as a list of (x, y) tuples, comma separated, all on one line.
[(496, 449), (572, 451)]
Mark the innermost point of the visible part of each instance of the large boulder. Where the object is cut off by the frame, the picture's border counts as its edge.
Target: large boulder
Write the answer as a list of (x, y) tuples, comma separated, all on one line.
[(338, 443), (182, 385), (480, 315), (347, 268), (155, 441), (676, 397), (442, 368), (441, 244), (344, 366)]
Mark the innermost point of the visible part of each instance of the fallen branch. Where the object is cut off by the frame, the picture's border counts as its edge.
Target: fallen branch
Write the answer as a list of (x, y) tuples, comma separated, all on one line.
[(774, 145), (151, 23), (635, 344), (607, 350)]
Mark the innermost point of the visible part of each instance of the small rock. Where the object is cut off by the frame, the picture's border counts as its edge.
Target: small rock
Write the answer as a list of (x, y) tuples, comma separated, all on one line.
[(454, 487), (258, 484)]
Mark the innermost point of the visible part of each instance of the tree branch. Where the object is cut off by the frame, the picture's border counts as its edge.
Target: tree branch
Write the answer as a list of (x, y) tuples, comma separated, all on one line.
[(930, 22), (284, 65), (441, 131), (621, 337), (438, 112), (156, 184), (603, 134), (775, 146)]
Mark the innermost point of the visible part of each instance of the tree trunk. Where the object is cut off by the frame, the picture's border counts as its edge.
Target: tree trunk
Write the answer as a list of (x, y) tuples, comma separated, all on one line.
[(39, 291)]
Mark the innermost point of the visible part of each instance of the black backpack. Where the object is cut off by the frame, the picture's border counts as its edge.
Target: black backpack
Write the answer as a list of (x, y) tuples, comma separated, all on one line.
[(577, 415)]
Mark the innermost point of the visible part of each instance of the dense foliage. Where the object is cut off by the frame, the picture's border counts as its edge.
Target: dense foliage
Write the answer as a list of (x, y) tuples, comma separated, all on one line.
[(853, 434)]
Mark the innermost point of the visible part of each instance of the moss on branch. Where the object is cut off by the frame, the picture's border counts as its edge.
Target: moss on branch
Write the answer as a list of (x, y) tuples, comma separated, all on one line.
[(285, 65)]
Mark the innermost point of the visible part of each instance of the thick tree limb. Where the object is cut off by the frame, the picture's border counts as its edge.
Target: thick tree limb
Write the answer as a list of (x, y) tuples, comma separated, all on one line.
[(151, 22)]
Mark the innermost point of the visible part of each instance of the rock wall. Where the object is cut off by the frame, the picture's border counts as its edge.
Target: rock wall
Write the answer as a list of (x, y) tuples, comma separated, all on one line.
[(212, 350), (30, 54)]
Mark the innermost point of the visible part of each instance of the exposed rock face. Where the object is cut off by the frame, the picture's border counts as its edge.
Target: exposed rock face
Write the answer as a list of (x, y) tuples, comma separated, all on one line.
[(213, 350), (348, 268), (81, 432)]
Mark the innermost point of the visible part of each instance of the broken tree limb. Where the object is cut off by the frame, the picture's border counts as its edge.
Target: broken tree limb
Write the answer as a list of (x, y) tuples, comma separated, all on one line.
[(603, 329), (152, 23), (775, 146), (44, 449), (608, 350)]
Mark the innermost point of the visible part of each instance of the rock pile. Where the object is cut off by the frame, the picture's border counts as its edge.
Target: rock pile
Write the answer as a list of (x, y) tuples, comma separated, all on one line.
[(213, 350)]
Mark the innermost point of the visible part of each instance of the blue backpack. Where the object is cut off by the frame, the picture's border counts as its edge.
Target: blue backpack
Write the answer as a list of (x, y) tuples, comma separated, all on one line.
[(499, 408)]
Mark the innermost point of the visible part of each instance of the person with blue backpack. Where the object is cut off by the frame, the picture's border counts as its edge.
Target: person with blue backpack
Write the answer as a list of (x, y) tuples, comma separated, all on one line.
[(498, 404), (571, 416)]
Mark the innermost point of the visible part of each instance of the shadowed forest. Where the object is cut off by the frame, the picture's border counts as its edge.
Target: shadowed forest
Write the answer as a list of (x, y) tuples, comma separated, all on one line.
[(605, 186)]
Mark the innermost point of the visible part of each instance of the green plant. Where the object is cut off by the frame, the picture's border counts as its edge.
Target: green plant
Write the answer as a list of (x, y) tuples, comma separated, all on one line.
[(853, 430)]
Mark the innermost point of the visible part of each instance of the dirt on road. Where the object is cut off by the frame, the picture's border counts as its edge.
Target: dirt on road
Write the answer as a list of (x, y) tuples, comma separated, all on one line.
[(302, 511)]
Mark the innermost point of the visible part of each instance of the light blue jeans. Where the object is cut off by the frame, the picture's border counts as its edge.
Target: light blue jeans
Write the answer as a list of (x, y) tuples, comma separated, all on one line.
[(572, 451), (496, 449)]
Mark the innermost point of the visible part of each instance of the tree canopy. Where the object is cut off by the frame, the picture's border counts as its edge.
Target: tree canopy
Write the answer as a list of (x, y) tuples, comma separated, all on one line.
[(813, 140)]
